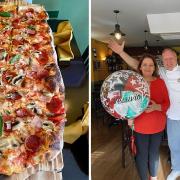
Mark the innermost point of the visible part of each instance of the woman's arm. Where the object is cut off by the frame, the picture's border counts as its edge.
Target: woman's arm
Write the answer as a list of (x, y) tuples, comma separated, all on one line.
[(164, 105), (119, 49), (153, 107)]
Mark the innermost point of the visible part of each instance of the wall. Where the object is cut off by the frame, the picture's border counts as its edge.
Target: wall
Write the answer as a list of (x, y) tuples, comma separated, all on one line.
[(102, 51), (76, 11)]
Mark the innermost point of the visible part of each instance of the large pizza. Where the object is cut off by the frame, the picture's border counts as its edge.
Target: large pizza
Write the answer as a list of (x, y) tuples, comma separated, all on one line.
[(32, 111)]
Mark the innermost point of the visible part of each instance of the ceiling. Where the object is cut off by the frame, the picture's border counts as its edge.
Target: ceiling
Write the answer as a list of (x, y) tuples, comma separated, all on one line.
[(132, 19)]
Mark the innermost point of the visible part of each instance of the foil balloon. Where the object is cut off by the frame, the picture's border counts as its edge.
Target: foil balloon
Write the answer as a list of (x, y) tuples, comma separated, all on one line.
[(125, 94)]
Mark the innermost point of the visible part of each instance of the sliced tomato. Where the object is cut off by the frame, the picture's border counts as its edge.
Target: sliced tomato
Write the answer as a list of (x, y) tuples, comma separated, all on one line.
[(54, 105)]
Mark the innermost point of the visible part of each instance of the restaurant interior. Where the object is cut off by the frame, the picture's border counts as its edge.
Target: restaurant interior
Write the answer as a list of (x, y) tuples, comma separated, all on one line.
[(146, 27)]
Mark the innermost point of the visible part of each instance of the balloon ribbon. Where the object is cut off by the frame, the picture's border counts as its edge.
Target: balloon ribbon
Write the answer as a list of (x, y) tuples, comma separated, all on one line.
[(132, 142)]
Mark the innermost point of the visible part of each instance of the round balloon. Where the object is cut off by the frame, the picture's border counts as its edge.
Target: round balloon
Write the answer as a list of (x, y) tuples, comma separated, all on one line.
[(125, 94)]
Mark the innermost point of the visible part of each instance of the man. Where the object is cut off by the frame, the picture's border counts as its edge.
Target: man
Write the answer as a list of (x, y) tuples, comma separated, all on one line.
[(170, 73)]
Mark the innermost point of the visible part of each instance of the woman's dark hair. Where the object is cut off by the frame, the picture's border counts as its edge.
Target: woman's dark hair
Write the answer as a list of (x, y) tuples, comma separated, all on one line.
[(155, 73)]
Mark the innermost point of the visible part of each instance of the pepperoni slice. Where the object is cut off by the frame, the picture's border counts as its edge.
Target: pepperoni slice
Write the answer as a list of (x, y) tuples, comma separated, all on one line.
[(42, 74), (54, 105), (32, 143), (56, 119)]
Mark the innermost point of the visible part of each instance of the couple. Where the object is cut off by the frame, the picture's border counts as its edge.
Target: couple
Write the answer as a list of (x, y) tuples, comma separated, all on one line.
[(170, 73)]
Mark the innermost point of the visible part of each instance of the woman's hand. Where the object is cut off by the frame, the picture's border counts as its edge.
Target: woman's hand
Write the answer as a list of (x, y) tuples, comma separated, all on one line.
[(153, 107), (130, 122), (117, 48)]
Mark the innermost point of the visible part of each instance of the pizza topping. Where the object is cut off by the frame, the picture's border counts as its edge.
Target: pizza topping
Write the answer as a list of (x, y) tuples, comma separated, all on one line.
[(3, 55), (7, 112), (51, 68), (17, 42), (32, 143), (43, 58), (7, 117), (15, 59), (48, 125), (23, 112), (31, 31), (17, 81), (5, 14), (35, 108), (51, 83), (54, 105), (8, 76), (56, 118), (12, 96), (42, 74)]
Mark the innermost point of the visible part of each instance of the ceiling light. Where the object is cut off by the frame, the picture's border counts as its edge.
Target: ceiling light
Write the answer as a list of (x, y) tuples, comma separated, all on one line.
[(146, 44), (168, 36), (117, 32)]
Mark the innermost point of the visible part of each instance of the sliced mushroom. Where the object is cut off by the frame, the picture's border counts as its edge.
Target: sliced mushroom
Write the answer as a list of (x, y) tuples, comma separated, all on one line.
[(35, 108), (16, 81), (48, 125)]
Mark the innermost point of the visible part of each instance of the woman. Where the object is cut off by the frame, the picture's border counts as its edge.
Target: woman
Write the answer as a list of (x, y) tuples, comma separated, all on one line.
[(149, 126)]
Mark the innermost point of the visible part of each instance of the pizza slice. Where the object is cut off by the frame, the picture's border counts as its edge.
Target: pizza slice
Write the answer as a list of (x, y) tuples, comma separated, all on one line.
[(29, 12)]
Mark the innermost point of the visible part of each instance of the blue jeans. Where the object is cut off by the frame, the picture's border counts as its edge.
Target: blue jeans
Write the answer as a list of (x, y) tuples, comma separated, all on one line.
[(173, 133), (147, 157)]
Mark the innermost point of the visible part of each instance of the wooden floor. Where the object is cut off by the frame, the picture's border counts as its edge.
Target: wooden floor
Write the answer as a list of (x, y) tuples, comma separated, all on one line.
[(106, 155)]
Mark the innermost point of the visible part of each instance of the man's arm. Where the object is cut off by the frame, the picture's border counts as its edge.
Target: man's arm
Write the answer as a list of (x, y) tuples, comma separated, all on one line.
[(119, 49)]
